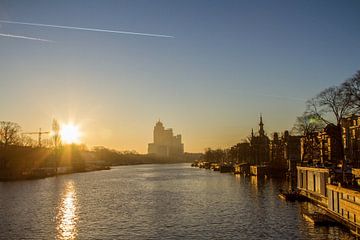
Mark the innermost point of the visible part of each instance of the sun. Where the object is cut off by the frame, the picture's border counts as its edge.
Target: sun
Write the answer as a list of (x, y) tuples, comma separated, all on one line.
[(70, 133)]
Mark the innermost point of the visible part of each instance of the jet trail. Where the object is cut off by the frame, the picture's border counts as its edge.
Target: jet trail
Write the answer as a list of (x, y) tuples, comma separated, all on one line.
[(24, 37), (87, 29)]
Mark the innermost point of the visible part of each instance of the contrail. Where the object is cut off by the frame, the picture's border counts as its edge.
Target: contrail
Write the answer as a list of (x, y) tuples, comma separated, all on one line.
[(25, 37), (88, 29)]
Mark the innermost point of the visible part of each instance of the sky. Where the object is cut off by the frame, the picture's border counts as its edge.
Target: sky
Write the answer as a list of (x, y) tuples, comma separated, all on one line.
[(220, 66)]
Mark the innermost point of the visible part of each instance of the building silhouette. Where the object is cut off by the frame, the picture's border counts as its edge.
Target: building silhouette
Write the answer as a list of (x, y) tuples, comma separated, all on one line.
[(259, 146), (326, 146), (165, 143)]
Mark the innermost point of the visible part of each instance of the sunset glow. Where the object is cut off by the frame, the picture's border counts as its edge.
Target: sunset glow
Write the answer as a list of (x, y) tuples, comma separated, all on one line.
[(70, 133)]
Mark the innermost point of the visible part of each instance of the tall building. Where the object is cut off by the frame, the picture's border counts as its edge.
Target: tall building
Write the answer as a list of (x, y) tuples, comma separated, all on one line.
[(292, 151), (259, 146), (331, 149), (165, 143)]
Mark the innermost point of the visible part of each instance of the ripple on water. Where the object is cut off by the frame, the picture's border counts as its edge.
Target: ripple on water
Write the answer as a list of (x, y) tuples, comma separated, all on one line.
[(153, 202)]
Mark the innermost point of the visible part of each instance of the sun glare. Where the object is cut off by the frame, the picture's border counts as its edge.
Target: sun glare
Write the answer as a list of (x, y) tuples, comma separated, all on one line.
[(70, 133)]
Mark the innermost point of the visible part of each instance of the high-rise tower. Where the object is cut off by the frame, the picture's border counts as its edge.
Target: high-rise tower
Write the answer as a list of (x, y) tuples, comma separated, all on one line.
[(165, 143)]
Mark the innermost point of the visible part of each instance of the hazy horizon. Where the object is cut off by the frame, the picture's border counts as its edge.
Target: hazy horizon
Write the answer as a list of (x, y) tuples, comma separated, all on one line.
[(207, 69)]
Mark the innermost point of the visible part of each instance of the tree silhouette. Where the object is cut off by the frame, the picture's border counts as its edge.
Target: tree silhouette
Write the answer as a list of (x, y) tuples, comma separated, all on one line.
[(330, 106), (352, 89), (9, 133), (308, 125)]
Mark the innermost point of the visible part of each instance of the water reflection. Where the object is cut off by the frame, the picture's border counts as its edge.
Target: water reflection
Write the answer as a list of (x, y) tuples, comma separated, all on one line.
[(254, 181), (66, 219)]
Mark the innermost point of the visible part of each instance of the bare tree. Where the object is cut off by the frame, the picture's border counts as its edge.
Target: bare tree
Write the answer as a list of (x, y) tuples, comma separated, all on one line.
[(330, 105), (307, 126), (27, 141), (352, 88), (9, 133)]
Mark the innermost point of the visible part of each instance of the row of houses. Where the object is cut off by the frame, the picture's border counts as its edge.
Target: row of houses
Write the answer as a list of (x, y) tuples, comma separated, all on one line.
[(327, 167), (335, 185), (280, 154), (284, 151)]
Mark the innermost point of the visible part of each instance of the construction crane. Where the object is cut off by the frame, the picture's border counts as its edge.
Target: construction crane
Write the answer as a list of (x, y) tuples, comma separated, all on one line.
[(39, 133)]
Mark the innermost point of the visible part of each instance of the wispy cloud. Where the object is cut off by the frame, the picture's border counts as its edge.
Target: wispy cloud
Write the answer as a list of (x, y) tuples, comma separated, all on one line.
[(88, 29), (24, 37)]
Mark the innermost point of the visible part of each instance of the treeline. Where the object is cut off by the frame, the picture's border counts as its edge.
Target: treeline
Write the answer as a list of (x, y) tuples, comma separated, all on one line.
[(113, 157), (19, 154), (235, 154)]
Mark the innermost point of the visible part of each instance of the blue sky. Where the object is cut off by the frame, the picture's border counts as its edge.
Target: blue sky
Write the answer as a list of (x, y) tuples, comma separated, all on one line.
[(228, 62)]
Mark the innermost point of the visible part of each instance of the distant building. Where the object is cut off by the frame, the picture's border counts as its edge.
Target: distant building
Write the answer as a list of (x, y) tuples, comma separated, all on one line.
[(330, 145), (284, 153), (323, 147), (310, 148), (259, 146), (292, 150), (277, 159), (165, 143)]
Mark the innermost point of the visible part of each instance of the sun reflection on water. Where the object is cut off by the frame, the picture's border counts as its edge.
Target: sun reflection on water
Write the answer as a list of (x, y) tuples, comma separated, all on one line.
[(66, 219)]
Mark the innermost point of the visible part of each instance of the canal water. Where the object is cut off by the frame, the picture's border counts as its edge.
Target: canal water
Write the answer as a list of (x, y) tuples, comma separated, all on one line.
[(171, 201)]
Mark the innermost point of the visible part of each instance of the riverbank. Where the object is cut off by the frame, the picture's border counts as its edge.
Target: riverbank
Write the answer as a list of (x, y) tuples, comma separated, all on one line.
[(50, 172), (46, 173), (23, 163)]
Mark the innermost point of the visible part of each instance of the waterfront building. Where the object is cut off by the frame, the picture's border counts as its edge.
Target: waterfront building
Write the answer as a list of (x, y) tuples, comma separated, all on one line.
[(276, 150), (310, 148), (292, 151), (284, 153), (330, 145), (259, 146), (165, 143), (322, 147), (351, 139)]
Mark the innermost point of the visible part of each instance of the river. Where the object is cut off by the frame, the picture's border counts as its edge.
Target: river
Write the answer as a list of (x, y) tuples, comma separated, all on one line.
[(172, 201)]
